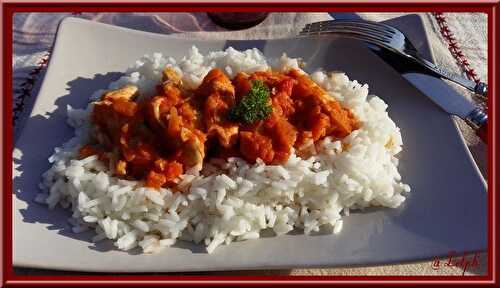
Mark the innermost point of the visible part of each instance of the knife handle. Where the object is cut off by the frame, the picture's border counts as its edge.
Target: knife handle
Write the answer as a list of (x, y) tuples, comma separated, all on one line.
[(481, 89), (482, 132), (478, 120)]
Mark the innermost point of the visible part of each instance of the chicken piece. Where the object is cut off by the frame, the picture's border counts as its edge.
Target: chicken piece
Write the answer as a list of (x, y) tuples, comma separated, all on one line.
[(164, 172), (270, 78), (215, 110), (214, 117), (174, 124), (155, 179), (314, 120), (283, 135), (304, 146), (125, 93), (341, 120), (190, 114), (140, 154), (158, 108), (125, 107), (192, 148), (179, 121), (242, 85), (113, 111), (192, 153), (181, 134), (254, 145), (216, 82), (154, 110), (139, 157), (169, 76), (172, 171), (121, 168), (188, 141), (160, 164), (220, 96), (171, 96), (227, 133), (282, 102), (109, 117), (172, 90), (171, 85)]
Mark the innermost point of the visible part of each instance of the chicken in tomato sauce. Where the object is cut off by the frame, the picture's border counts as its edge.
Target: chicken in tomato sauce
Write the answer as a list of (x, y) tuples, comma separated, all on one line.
[(263, 115)]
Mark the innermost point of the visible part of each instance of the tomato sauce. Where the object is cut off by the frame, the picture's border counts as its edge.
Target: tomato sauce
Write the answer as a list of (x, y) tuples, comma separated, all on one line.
[(158, 139)]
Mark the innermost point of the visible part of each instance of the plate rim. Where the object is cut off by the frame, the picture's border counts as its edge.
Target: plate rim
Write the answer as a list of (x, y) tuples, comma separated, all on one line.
[(56, 47)]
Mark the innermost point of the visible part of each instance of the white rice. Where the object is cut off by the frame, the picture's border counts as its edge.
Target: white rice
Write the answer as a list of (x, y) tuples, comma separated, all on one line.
[(239, 199)]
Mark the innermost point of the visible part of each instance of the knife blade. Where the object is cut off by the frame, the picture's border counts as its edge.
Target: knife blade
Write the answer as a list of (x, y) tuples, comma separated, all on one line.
[(441, 94), (451, 101)]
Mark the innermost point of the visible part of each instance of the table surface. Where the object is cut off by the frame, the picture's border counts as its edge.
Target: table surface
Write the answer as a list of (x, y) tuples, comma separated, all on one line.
[(31, 50)]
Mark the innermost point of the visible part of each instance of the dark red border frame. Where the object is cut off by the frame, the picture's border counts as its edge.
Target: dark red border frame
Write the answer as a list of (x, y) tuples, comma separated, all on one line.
[(491, 8)]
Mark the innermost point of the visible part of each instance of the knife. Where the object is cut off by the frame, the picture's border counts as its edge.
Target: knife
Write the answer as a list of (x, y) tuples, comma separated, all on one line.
[(450, 101), (439, 92)]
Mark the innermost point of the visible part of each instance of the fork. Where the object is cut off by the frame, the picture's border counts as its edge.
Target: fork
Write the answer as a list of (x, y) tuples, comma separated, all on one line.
[(390, 38)]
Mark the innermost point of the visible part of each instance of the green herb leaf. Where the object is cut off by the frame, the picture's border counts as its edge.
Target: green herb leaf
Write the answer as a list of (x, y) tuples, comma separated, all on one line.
[(254, 106)]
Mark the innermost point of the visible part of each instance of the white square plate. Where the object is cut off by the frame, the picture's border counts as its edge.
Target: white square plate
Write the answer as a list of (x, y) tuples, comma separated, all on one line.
[(445, 211)]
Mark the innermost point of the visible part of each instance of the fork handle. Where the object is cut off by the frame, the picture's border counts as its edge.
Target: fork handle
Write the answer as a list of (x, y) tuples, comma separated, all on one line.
[(478, 88)]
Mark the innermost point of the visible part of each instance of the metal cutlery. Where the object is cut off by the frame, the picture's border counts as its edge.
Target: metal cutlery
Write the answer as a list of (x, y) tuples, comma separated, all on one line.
[(422, 71), (391, 38)]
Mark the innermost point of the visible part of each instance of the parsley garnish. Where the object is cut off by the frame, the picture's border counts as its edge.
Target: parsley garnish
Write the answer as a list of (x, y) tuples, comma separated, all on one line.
[(254, 106)]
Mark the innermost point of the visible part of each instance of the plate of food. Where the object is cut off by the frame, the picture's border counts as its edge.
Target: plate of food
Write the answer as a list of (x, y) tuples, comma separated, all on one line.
[(146, 153)]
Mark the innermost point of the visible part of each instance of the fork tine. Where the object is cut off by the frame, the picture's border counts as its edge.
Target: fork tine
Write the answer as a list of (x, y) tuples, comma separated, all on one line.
[(362, 37), (358, 32), (361, 29), (354, 21), (369, 24), (364, 26), (365, 39)]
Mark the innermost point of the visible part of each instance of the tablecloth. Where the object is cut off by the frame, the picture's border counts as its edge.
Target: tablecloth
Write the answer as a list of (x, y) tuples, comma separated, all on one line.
[(33, 35)]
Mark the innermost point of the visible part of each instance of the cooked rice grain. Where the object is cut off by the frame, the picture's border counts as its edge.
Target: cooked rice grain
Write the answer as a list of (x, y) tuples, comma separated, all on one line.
[(238, 200)]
